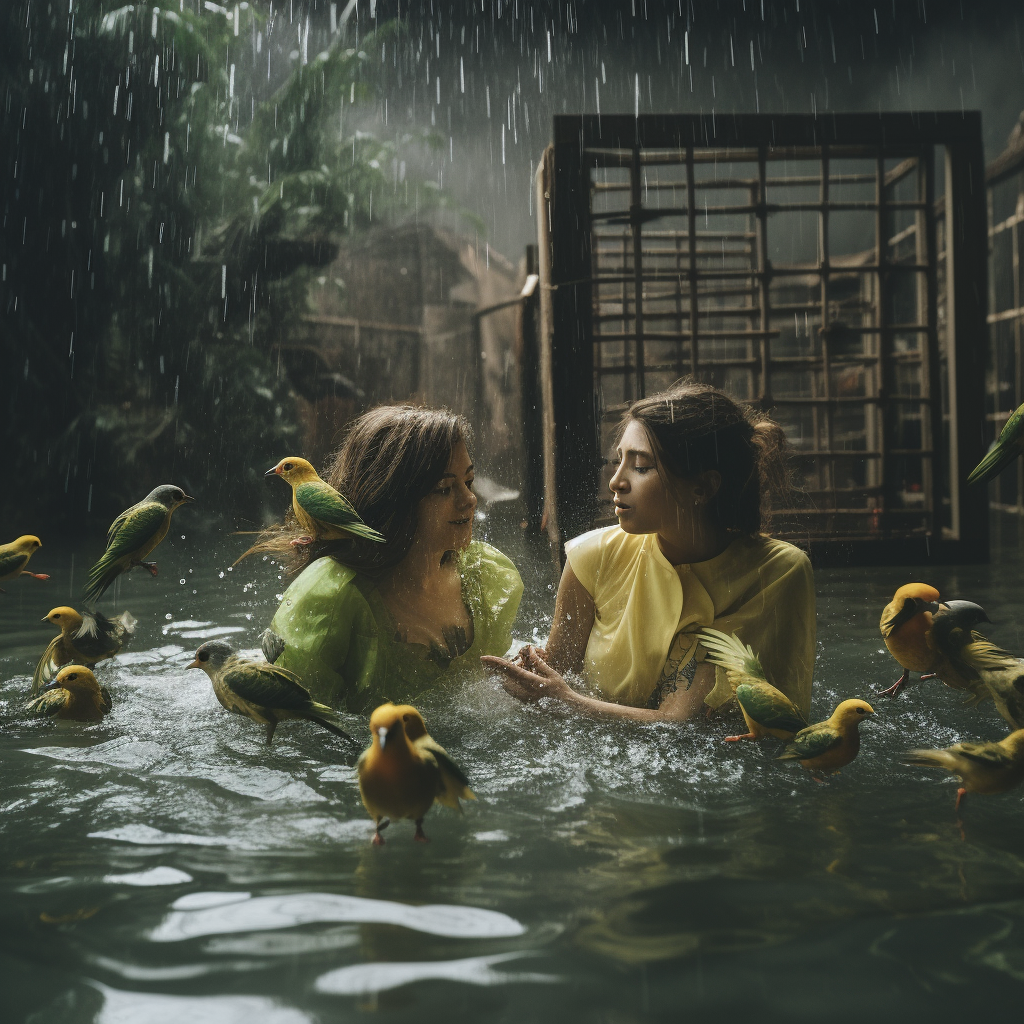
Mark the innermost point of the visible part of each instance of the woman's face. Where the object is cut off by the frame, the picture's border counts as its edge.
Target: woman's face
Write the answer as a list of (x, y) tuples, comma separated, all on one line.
[(445, 520), (643, 504)]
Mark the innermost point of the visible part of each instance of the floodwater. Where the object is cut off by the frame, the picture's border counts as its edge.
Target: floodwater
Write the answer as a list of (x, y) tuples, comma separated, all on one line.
[(165, 866)]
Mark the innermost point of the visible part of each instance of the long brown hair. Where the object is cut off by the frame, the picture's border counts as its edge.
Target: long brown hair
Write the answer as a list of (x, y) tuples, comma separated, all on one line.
[(389, 460), (695, 428)]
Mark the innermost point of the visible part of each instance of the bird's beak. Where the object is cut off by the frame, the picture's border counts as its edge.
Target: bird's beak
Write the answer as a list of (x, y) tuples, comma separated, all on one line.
[(51, 685), (272, 472), (45, 618), (187, 497), (382, 733), (195, 664)]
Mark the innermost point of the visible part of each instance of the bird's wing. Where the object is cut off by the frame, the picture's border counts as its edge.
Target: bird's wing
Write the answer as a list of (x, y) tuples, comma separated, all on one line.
[(11, 561), (267, 686), (322, 502), (105, 698), (453, 778), (128, 533), (991, 755), (49, 664), (811, 742), (770, 707), (1003, 452), (983, 654), (97, 637), (740, 662), (49, 703)]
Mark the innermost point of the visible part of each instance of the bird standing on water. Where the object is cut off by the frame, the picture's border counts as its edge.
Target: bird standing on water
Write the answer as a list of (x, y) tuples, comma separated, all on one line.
[(982, 767), (74, 695), (766, 709), (321, 511), (265, 693), (14, 557), (1008, 447), (827, 746), (83, 640), (404, 770), (132, 536)]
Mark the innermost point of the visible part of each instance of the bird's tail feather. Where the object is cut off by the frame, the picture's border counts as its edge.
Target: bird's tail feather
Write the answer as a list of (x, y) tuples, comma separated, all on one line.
[(929, 759), (101, 575), (365, 532), (997, 459), (330, 720)]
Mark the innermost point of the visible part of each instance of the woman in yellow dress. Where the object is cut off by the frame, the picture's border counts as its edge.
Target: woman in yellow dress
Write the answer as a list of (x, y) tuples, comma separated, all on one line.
[(690, 493)]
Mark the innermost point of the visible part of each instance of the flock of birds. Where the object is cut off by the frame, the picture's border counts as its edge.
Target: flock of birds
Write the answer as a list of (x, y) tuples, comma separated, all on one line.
[(404, 770)]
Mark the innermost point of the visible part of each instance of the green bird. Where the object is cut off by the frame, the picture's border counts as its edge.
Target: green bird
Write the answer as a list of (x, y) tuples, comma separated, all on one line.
[(827, 746), (766, 709), (323, 512), (14, 557), (83, 640), (1008, 446), (263, 692), (132, 536)]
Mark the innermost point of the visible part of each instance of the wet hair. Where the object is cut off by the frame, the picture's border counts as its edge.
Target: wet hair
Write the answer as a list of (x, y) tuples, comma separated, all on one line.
[(694, 428), (389, 460)]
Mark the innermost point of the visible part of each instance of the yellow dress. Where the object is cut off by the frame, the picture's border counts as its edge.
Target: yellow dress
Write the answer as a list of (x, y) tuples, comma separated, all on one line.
[(648, 611)]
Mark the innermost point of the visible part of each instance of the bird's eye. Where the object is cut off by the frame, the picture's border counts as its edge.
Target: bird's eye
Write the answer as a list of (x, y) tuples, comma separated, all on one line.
[(57, 615), (205, 656), (860, 711), (288, 465), (74, 675)]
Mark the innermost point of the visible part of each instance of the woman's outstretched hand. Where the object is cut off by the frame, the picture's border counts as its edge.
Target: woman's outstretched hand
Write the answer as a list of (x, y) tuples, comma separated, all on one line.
[(529, 677)]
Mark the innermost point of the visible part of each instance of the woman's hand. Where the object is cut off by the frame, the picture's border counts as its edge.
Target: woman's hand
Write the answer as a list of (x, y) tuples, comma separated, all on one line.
[(529, 677)]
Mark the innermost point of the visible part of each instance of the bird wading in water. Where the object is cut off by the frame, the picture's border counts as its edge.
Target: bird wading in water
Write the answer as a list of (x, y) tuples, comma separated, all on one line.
[(14, 557), (73, 696), (132, 536), (827, 746), (263, 692), (321, 511), (83, 640), (404, 770)]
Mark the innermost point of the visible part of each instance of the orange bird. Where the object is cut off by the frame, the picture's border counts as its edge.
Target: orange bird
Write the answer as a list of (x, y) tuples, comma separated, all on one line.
[(404, 771)]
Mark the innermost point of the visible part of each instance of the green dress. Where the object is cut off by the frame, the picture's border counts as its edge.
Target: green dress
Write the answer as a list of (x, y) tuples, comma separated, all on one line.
[(340, 638)]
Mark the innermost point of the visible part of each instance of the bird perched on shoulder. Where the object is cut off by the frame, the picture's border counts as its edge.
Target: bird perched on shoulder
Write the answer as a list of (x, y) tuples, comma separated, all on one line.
[(132, 536), (74, 695), (404, 771), (766, 709), (827, 746), (14, 557), (987, 768), (1008, 447), (263, 692), (953, 634), (321, 511), (83, 640)]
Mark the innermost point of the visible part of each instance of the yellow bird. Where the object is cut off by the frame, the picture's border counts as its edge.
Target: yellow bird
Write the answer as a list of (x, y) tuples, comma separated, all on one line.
[(323, 512), (987, 768), (74, 695), (404, 771), (14, 557), (827, 746), (83, 640), (766, 709)]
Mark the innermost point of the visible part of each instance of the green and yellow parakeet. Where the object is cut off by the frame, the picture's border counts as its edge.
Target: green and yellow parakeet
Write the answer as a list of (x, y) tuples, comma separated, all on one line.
[(14, 557), (827, 746), (74, 695), (132, 536), (83, 640), (263, 692), (321, 511), (1008, 447)]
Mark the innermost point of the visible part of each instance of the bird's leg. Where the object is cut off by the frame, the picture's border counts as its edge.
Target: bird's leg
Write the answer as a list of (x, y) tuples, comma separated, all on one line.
[(733, 739), (150, 567), (897, 686), (35, 575), (925, 676), (378, 839), (271, 726), (301, 542), (960, 794), (420, 836)]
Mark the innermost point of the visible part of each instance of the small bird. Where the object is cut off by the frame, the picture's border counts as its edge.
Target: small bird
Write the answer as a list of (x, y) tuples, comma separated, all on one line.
[(904, 624), (404, 771), (74, 695), (323, 512), (766, 709), (83, 640), (827, 746), (1008, 447), (132, 536), (970, 653), (14, 557), (992, 767), (265, 693)]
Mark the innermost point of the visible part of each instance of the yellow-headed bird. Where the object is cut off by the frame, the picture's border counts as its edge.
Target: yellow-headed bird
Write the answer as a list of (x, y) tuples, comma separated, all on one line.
[(992, 767), (404, 771), (826, 746), (971, 654), (83, 640), (766, 709), (323, 512), (132, 536), (1008, 447), (14, 557), (74, 695), (265, 693)]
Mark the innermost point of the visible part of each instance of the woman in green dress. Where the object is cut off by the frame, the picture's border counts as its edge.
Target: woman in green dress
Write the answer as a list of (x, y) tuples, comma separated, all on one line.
[(368, 622)]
